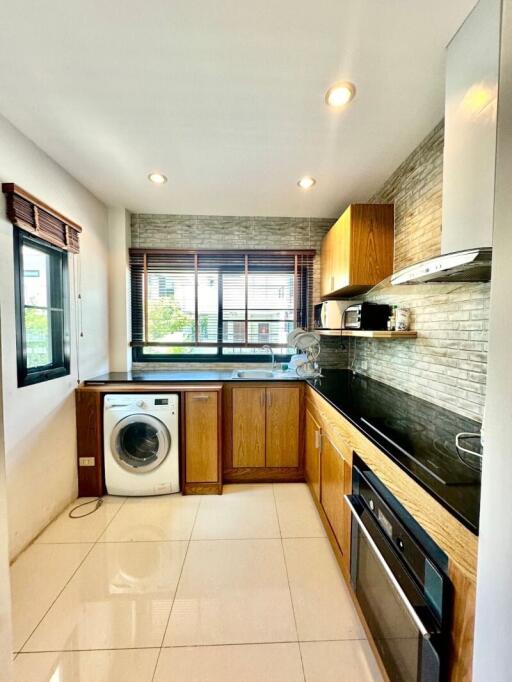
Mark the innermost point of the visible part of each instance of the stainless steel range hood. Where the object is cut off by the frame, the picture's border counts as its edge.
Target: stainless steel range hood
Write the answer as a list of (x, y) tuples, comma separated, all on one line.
[(471, 265)]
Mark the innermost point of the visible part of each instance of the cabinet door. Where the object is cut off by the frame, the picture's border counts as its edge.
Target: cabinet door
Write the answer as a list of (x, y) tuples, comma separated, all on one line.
[(313, 445), (282, 430), (248, 427), (326, 282), (333, 489), (341, 252), (201, 437)]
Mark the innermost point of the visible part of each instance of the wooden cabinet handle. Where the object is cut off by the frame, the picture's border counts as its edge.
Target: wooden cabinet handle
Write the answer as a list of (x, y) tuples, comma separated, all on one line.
[(269, 399), (199, 397), (318, 439), (262, 399)]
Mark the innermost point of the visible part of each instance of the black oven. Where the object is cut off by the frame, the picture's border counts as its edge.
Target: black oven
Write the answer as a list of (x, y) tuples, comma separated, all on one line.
[(400, 581)]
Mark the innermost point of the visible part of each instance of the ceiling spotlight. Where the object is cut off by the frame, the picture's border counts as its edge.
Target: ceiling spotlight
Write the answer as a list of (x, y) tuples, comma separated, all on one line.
[(306, 182), (340, 94), (157, 178)]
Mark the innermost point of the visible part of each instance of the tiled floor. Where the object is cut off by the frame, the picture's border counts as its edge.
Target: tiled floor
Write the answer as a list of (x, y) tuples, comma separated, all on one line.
[(242, 586)]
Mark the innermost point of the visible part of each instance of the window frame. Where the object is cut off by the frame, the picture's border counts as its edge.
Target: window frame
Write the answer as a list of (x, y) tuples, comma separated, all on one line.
[(138, 354), (60, 342)]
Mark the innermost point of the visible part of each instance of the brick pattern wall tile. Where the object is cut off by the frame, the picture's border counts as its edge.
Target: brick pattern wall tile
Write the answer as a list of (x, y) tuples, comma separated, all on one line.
[(416, 190), (447, 363), (237, 232)]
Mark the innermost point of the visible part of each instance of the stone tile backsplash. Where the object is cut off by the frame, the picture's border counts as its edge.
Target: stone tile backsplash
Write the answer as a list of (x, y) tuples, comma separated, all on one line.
[(447, 363)]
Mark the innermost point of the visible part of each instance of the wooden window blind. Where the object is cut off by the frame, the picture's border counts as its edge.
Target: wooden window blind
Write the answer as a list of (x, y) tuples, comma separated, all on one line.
[(217, 303), (32, 215)]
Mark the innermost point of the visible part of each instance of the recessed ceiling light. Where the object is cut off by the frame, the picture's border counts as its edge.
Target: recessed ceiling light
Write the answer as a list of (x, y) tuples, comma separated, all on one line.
[(306, 182), (340, 94), (157, 178)]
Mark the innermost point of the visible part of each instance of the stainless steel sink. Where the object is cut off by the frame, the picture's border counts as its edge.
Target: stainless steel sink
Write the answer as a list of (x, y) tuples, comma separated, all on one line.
[(254, 374)]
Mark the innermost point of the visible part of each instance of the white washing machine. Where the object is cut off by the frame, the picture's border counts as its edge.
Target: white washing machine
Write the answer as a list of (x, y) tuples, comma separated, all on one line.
[(141, 445)]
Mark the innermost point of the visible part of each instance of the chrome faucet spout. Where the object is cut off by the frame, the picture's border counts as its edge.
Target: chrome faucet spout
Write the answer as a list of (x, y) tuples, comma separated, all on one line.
[(271, 350)]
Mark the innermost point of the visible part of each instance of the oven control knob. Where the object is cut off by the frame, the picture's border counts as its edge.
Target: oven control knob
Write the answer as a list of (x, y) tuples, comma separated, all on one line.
[(372, 505), (140, 403)]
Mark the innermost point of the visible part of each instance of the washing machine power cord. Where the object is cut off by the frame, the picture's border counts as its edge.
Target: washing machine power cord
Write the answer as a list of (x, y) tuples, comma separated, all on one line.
[(99, 502)]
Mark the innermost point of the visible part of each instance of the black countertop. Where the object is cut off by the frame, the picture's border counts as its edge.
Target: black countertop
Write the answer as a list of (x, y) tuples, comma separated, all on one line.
[(415, 434), (157, 377)]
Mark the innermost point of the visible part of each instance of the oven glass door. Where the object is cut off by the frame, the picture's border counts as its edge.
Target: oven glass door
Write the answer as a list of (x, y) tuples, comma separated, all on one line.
[(393, 606)]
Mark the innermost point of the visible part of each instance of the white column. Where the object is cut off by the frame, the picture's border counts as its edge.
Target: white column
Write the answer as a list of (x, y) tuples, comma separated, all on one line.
[(119, 290), (492, 656)]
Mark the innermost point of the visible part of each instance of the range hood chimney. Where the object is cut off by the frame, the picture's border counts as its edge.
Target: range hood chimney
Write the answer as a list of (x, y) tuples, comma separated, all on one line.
[(469, 155), (472, 265)]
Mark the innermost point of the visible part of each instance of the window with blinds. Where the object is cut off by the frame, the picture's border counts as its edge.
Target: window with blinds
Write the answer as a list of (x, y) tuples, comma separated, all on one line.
[(212, 305)]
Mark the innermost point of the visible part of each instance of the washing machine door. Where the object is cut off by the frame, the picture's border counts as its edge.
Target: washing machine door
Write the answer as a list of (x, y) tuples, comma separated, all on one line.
[(140, 442)]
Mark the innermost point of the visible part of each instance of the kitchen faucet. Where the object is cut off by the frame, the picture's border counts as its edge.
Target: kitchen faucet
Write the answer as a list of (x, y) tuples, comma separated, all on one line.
[(269, 348)]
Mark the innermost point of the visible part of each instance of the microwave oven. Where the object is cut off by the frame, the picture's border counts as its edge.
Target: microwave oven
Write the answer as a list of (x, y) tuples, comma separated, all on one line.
[(366, 316), (328, 316)]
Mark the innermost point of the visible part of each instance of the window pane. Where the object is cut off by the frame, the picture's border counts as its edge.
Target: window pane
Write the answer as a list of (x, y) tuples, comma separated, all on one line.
[(171, 306), (270, 290), (179, 350), (273, 333), (233, 290), (37, 338), (208, 306), (271, 315), (36, 265), (278, 350)]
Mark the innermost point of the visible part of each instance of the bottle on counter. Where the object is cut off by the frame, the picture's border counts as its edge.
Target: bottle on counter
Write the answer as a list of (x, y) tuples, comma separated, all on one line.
[(392, 319)]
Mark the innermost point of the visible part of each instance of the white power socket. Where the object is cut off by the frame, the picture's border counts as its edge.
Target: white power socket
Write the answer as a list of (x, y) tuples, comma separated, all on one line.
[(86, 461), (364, 365)]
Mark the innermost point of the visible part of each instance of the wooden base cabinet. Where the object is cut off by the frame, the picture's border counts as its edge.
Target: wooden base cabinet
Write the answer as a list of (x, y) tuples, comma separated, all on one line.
[(313, 445), (263, 428), (202, 442), (336, 481)]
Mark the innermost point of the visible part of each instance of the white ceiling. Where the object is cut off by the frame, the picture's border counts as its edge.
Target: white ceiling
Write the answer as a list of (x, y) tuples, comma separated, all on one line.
[(226, 96)]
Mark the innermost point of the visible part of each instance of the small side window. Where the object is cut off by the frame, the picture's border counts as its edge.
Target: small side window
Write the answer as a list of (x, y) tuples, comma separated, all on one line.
[(42, 309)]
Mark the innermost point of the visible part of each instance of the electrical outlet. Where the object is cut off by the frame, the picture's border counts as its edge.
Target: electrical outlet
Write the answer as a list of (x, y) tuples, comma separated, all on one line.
[(364, 365), (86, 461)]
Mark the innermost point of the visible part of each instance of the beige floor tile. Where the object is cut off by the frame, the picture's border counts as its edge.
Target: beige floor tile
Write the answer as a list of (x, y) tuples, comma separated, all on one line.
[(242, 511), (232, 591), (87, 529), (348, 661), (168, 517), (242, 663), (120, 597), (136, 665), (37, 577), (298, 517), (321, 601)]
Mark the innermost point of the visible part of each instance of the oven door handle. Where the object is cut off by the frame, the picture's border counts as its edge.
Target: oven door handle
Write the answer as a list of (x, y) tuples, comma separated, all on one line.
[(410, 608)]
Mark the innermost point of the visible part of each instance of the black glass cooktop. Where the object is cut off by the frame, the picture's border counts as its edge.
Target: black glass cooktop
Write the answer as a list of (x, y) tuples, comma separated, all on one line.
[(419, 436)]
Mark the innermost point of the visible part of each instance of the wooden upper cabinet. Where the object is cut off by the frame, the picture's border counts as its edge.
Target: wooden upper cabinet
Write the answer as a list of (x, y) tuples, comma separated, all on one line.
[(313, 446), (282, 426), (202, 437), (249, 427), (357, 252)]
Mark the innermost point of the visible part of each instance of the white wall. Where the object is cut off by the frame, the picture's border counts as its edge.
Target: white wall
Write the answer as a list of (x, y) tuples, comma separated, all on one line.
[(40, 437), (119, 231), (5, 592), (492, 658)]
